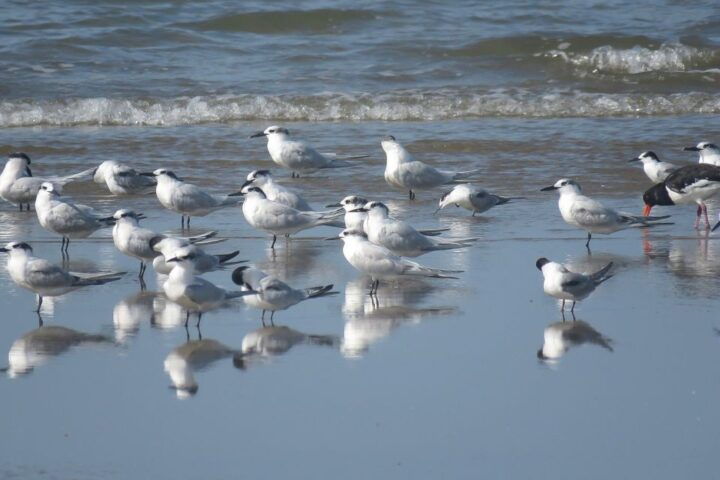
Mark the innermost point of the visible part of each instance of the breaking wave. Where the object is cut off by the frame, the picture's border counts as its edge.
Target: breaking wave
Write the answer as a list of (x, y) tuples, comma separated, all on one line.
[(409, 105)]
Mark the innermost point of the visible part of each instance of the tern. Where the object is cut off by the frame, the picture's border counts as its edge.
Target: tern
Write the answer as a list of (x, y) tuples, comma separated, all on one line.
[(272, 293), (19, 187), (655, 170), (44, 278), (65, 218), (559, 337), (561, 283), (183, 361), (132, 240), (195, 294), (379, 263), (276, 218), (403, 171), (709, 152), (592, 216), (297, 156), (185, 198), (400, 237), (472, 198), (122, 179), (203, 262), (276, 192), (686, 185)]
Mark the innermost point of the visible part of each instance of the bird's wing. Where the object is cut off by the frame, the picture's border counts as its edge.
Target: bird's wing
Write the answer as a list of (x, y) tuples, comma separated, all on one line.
[(300, 155), (400, 235), (72, 216), (422, 175), (43, 274), (586, 211), (190, 197), (201, 292)]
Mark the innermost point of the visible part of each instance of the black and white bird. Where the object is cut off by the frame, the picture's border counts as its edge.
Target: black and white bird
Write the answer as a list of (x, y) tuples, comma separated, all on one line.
[(44, 278), (297, 156), (708, 152), (400, 237), (592, 216), (561, 283), (470, 197), (122, 179), (187, 199), (19, 187), (379, 263), (203, 262), (686, 185), (655, 170), (403, 171), (272, 293), (559, 337), (132, 240), (279, 219), (355, 214), (63, 217)]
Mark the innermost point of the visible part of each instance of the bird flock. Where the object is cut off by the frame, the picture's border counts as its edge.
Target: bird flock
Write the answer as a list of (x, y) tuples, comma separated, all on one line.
[(374, 242)]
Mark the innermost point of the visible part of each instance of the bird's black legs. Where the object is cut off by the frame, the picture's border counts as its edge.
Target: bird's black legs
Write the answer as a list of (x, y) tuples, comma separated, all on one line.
[(374, 287), (39, 304), (64, 246), (141, 275), (294, 175), (187, 317), (273, 242), (587, 244), (272, 314), (411, 194), (40, 320), (20, 206), (707, 221), (197, 325)]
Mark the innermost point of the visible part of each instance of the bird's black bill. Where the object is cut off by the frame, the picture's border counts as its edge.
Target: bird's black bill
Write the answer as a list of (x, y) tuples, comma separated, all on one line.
[(360, 210), (332, 238), (258, 134), (147, 174), (248, 182), (333, 205), (237, 194), (5, 250), (691, 149), (636, 159), (547, 189)]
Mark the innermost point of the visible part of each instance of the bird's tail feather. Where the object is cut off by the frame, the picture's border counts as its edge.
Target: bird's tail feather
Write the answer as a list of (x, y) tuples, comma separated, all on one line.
[(601, 275), (203, 236), (238, 293), (315, 292), (433, 232), (504, 200), (466, 173), (71, 178), (224, 257), (85, 279)]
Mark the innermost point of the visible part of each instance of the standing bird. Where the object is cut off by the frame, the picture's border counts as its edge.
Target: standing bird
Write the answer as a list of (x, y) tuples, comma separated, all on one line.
[(559, 337), (185, 198), (273, 294), (400, 237), (592, 216), (403, 171), (472, 198), (656, 170), (44, 278), (297, 156), (203, 262), (276, 192), (561, 283), (122, 179), (709, 152), (380, 263), (65, 218), (355, 214), (194, 294), (19, 187), (132, 240), (276, 218), (686, 185)]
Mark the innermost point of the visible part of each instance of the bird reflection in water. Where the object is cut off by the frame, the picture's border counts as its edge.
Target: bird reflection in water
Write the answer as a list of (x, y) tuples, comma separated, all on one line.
[(193, 356), (36, 347), (278, 340), (298, 259), (370, 318), (130, 312), (559, 337)]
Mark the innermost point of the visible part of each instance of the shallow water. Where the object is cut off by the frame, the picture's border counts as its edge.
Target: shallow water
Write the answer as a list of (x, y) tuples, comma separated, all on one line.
[(437, 377)]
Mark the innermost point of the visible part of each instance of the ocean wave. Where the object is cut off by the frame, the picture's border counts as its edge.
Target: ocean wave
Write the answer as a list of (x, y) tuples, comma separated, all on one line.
[(665, 58), (413, 105)]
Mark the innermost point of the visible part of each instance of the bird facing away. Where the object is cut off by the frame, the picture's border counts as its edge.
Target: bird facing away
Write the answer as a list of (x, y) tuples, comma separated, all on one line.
[(686, 185), (19, 187), (187, 199), (272, 293), (403, 171), (278, 219), (379, 263), (44, 278), (708, 152), (65, 218), (400, 237), (561, 283), (276, 192), (592, 216), (655, 170), (122, 179), (297, 156), (470, 197), (194, 294)]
